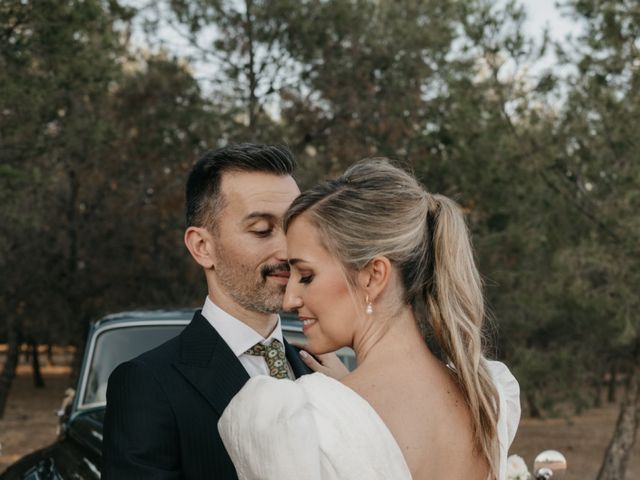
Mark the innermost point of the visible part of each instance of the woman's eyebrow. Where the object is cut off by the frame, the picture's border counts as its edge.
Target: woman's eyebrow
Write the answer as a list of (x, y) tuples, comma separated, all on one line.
[(293, 261)]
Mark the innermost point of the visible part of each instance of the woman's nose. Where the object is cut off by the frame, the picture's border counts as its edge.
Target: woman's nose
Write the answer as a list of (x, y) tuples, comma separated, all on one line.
[(292, 301)]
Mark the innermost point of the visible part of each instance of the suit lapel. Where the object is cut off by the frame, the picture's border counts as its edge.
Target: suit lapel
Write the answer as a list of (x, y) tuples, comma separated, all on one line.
[(208, 363)]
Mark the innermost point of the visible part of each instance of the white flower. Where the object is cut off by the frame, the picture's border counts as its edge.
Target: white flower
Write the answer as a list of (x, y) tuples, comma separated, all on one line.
[(517, 468)]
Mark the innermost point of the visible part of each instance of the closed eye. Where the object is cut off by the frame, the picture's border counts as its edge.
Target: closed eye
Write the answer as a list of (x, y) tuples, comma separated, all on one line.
[(263, 233)]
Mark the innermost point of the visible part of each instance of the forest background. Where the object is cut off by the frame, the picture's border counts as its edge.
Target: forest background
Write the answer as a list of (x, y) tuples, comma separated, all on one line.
[(97, 135)]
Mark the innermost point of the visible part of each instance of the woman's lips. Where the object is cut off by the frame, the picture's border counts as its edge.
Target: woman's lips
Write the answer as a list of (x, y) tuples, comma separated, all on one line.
[(307, 323)]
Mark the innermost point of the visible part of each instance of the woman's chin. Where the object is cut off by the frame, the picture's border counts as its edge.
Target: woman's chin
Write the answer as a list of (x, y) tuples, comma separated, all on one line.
[(309, 347), (316, 347)]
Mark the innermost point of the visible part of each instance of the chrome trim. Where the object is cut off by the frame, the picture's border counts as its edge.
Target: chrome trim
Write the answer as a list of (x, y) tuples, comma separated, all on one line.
[(94, 469), (291, 328)]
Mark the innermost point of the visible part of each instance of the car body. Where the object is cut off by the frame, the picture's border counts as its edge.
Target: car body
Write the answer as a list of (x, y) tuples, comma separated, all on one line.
[(77, 452)]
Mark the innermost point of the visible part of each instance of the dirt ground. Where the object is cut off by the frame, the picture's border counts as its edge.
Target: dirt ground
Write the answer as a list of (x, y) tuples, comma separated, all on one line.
[(29, 420), (581, 439), (30, 423)]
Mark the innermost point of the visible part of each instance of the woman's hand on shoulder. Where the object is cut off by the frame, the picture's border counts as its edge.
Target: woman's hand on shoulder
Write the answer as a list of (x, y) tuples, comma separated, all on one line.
[(327, 363)]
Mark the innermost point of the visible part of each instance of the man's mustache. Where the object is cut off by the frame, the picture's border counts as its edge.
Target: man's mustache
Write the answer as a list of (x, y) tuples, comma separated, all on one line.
[(271, 269)]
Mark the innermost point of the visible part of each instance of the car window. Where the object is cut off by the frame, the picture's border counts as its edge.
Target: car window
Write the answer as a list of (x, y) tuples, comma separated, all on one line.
[(118, 345)]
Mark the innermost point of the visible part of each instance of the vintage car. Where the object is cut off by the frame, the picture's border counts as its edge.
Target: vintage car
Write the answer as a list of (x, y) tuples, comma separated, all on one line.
[(76, 454)]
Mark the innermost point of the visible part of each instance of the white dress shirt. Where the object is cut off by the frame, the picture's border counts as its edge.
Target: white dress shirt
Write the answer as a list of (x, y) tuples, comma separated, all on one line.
[(241, 337)]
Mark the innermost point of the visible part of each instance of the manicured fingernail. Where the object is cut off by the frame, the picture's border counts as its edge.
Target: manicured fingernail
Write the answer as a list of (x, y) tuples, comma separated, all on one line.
[(304, 354)]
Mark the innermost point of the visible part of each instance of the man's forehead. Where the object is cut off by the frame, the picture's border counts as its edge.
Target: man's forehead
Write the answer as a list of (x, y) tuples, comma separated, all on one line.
[(257, 191)]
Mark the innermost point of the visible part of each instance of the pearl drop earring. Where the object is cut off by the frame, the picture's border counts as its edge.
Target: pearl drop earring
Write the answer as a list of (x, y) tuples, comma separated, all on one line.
[(369, 309)]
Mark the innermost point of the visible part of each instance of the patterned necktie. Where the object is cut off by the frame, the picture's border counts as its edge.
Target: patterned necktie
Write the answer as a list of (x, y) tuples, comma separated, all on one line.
[(274, 356)]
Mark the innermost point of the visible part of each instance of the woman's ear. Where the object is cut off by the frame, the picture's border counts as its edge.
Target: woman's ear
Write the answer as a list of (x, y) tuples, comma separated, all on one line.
[(199, 242), (375, 276)]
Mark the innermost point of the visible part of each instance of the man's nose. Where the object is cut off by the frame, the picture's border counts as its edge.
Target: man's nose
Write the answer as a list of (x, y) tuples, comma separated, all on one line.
[(281, 247)]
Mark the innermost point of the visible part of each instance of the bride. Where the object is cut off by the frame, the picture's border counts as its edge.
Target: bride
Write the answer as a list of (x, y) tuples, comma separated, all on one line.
[(379, 264)]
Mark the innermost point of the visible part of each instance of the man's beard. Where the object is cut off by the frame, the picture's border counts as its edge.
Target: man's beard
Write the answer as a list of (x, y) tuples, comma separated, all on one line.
[(257, 295)]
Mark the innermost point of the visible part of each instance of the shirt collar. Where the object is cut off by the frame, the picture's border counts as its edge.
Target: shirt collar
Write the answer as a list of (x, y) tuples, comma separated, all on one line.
[(238, 335)]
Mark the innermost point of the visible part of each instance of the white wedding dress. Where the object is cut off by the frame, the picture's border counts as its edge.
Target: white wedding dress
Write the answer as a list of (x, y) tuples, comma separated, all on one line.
[(316, 428)]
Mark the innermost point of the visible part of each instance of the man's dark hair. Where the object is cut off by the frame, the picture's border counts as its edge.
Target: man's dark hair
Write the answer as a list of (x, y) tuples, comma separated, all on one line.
[(203, 185)]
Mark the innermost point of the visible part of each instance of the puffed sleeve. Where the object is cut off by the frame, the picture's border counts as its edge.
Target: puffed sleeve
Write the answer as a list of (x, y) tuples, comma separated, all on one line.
[(269, 431), (509, 394)]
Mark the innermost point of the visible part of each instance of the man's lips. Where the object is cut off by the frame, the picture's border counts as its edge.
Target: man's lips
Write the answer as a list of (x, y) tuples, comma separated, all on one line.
[(282, 276)]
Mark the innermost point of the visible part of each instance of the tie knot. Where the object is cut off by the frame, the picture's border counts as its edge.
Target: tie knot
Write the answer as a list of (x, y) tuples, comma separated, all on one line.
[(274, 356), (271, 350)]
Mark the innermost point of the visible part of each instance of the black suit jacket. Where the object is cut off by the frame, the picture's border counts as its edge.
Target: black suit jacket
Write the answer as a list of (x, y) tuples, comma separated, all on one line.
[(163, 408)]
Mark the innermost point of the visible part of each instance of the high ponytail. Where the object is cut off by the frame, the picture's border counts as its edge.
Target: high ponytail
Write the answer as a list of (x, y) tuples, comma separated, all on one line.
[(426, 238), (455, 312)]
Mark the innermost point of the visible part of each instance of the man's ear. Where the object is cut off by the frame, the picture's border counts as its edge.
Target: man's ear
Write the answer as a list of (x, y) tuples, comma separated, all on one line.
[(375, 276), (199, 242)]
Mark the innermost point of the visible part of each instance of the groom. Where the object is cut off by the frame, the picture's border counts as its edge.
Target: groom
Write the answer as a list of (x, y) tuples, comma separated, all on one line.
[(163, 407)]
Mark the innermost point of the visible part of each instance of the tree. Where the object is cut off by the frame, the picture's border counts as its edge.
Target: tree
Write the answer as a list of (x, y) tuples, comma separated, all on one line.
[(601, 173), (57, 58), (373, 80), (241, 44), (95, 147)]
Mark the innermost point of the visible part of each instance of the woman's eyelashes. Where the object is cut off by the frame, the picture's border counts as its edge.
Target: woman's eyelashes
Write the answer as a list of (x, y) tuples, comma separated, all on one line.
[(306, 278)]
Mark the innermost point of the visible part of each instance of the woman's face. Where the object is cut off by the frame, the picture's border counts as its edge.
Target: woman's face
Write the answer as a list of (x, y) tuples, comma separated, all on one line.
[(318, 290)]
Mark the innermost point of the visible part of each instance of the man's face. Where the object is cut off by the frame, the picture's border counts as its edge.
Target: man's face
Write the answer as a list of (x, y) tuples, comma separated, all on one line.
[(250, 246)]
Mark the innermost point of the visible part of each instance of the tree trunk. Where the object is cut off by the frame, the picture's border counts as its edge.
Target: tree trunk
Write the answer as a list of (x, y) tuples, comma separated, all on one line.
[(50, 354), (534, 409), (597, 392), (616, 457), (9, 369), (251, 71), (38, 381), (613, 378)]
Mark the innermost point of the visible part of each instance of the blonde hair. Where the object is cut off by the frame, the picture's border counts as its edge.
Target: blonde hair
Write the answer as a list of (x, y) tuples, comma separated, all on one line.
[(376, 209)]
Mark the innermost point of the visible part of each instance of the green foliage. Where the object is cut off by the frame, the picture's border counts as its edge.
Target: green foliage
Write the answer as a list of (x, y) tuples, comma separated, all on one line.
[(373, 80), (599, 133), (91, 189), (96, 140)]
